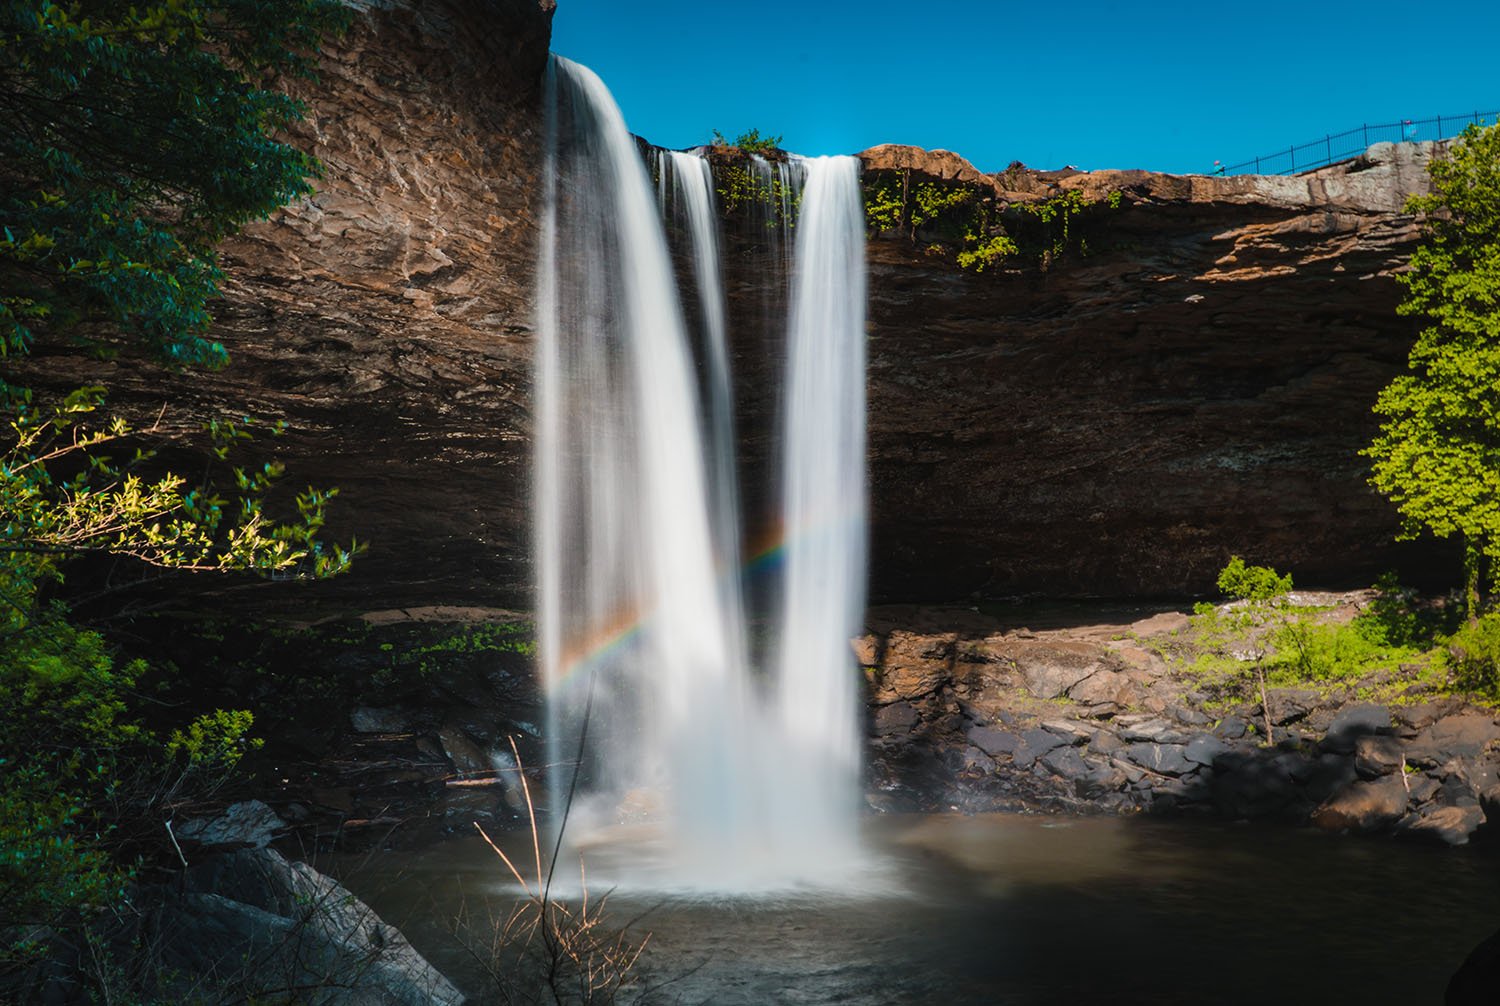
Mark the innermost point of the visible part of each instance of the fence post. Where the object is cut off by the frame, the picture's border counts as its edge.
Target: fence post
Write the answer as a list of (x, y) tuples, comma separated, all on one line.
[(1257, 165), (1440, 127), (1294, 157), (1366, 128), (1328, 147)]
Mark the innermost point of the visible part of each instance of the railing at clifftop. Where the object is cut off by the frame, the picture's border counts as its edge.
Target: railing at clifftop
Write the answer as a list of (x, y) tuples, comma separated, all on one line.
[(1342, 146)]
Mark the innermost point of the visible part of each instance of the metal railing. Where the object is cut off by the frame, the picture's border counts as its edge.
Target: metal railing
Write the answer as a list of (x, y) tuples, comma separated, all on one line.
[(1337, 147)]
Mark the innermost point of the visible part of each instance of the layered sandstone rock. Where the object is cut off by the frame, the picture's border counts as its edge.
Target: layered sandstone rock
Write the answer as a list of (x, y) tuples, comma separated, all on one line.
[(387, 319), (1116, 423), (1199, 384)]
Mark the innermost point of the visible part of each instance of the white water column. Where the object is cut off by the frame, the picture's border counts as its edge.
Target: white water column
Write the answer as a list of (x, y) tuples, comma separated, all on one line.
[(824, 504), (630, 611), (751, 778), (688, 180)]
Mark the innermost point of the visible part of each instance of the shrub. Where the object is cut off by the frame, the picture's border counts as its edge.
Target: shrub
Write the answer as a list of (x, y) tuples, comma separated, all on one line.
[(1394, 617), (750, 141), (1252, 583), (1307, 652), (1473, 655)]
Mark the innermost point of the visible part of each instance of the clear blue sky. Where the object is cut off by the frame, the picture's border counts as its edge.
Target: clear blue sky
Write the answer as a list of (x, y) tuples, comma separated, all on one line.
[(1094, 83)]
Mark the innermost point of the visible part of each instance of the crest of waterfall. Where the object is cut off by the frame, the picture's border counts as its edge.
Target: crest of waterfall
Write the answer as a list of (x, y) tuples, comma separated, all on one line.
[(640, 614)]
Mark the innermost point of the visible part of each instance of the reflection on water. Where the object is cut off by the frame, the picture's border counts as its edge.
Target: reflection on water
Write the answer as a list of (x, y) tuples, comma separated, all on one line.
[(1000, 909)]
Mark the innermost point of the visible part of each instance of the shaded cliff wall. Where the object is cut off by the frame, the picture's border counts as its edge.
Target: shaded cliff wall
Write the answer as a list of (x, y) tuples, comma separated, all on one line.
[(1116, 423), (1199, 383)]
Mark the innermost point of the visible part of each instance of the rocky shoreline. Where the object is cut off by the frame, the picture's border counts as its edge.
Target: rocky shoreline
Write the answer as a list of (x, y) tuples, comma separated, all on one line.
[(973, 715), (1062, 708), (1069, 709)]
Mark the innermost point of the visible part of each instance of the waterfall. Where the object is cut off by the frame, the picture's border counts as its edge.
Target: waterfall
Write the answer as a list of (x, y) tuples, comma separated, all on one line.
[(686, 183), (823, 499), (749, 774)]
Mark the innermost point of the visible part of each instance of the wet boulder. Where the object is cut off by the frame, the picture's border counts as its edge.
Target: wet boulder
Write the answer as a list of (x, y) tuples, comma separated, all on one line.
[(1451, 825), (1363, 806)]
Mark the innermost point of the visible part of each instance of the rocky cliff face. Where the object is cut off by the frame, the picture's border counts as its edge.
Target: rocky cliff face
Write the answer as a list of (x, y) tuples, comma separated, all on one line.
[(387, 319), (1119, 422), (1113, 423)]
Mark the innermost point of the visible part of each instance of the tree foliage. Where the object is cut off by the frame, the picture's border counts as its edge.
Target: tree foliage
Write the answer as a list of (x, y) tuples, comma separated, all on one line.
[(133, 138), (1437, 455), (1252, 583), (750, 141)]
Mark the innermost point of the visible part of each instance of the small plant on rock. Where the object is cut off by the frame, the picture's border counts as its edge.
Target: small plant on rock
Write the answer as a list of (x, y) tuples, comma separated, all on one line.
[(750, 141)]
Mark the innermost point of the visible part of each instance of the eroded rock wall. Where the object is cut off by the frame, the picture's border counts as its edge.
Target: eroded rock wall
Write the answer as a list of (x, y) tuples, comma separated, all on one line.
[(387, 319), (1113, 424), (1200, 383)]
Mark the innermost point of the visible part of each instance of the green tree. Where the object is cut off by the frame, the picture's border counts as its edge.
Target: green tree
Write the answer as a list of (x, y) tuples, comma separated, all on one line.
[(133, 138), (750, 141), (1437, 455)]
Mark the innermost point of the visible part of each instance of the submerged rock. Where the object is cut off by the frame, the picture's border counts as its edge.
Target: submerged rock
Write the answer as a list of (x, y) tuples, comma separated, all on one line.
[(1477, 981)]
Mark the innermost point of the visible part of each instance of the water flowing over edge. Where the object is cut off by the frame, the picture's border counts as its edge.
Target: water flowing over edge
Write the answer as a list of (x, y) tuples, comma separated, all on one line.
[(751, 777)]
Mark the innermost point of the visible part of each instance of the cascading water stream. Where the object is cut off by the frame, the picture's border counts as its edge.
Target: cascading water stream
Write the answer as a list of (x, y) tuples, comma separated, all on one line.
[(751, 776), (685, 181), (823, 502)]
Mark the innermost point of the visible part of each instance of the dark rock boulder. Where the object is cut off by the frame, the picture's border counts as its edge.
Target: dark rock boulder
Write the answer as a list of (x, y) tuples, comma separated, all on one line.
[(1035, 743), (1376, 756), (994, 742), (1247, 784), (1451, 825), (1204, 749), (1231, 728), (1353, 722), (1066, 763), (1460, 735), (1152, 729), (248, 822), (1289, 705), (896, 718), (369, 720), (1489, 802), (1165, 759), (267, 928)]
